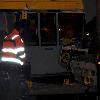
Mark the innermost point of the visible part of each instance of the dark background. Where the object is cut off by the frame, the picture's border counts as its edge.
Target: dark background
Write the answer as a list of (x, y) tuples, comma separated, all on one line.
[(90, 9)]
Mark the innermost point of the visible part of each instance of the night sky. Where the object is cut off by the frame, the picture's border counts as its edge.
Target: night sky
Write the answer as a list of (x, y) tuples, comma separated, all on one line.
[(90, 9)]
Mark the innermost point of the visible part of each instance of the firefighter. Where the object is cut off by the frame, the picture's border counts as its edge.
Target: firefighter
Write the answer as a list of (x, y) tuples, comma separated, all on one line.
[(11, 60), (67, 48), (13, 50)]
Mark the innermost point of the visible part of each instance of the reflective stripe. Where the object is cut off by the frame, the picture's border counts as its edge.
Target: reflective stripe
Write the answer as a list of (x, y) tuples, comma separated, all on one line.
[(22, 56), (5, 37), (22, 41), (9, 50), (15, 36), (20, 49), (12, 60), (15, 51)]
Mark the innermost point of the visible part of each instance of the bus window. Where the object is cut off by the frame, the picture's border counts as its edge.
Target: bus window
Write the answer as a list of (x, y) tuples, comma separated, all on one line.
[(30, 34), (70, 27), (48, 29)]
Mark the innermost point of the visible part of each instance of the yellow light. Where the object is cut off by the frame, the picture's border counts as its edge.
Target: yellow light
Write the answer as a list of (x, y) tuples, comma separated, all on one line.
[(23, 15), (99, 62)]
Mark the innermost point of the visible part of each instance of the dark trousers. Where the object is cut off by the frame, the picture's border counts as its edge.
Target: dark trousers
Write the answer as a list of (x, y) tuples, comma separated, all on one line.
[(10, 82)]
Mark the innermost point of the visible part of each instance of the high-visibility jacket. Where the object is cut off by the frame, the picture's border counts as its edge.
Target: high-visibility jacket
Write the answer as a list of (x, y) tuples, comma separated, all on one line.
[(13, 48)]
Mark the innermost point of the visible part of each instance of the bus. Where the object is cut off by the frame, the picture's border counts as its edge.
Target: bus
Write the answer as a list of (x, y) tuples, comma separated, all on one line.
[(56, 43)]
